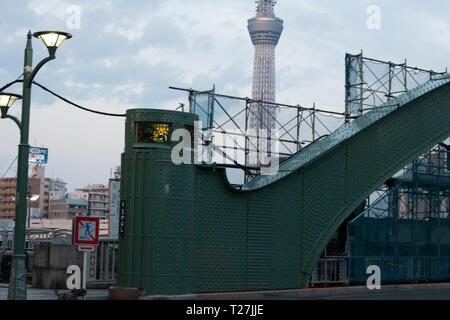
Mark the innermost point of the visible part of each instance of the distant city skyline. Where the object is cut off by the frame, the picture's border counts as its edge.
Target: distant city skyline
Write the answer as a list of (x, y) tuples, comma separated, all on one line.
[(126, 54)]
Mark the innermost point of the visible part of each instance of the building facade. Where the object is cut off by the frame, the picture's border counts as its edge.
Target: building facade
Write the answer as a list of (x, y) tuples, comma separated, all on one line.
[(51, 192), (8, 196), (97, 196), (77, 207)]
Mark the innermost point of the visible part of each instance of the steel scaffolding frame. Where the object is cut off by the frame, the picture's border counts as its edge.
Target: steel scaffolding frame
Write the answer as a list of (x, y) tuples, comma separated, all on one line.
[(223, 115), (407, 232), (370, 82)]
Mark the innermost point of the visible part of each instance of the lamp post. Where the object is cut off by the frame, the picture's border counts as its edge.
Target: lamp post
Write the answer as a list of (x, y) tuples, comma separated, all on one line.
[(31, 198), (17, 289)]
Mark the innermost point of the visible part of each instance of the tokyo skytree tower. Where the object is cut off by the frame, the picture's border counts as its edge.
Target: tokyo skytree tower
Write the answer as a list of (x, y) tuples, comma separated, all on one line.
[(265, 31)]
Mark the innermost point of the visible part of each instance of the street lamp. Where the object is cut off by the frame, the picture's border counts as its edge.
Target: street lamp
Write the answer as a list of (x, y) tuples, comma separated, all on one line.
[(52, 39), (17, 289), (6, 102), (31, 198)]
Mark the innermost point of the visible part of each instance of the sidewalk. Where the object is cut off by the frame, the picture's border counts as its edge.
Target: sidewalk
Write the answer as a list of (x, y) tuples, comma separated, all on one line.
[(391, 292), (438, 291), (49, 294)]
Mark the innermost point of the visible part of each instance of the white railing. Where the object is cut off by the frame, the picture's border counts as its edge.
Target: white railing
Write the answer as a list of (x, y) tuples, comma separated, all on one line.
[(103, 261), (34, 236)]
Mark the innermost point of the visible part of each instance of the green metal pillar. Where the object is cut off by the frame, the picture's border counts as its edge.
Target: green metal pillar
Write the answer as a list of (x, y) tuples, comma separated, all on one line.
[(17, 284), (157, 245)]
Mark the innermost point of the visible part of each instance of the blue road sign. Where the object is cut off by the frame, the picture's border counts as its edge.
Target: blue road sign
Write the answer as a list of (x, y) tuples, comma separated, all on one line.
[(38, 156)]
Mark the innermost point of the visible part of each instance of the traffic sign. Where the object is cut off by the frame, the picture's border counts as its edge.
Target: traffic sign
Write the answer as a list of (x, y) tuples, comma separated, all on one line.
[(86, 230), (85, 235), (38, 155)]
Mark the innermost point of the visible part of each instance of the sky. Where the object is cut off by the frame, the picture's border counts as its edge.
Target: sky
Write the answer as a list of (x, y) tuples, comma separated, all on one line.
[(126, 54)]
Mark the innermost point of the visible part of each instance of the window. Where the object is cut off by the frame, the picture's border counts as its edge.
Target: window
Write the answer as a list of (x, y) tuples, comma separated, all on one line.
[(152, 132)]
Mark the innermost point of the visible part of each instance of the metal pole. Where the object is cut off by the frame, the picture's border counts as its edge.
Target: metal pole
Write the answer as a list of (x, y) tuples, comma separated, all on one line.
[(17, 289), (28, 216), (361, 87), (314, 122), (17, 285), (299, 146), (84, 271), (247, 144)]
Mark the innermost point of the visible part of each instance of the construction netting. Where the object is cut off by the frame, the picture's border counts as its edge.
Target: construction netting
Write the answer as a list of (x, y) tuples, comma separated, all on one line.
[(407, 231)]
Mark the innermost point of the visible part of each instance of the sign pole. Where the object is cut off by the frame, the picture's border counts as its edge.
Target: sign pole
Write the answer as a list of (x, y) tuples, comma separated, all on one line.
[(84, 271), (86, 236)]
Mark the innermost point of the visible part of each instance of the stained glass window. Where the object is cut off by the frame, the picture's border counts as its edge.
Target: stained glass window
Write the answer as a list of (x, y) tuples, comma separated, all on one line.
[(152, 132)]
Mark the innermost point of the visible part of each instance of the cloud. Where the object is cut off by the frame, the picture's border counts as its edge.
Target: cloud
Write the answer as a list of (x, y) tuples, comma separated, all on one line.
[(110, 62), (130, 88), (438, 31), (130, 29), (72, 84), (186, 65), (213, 43), (57, 8)]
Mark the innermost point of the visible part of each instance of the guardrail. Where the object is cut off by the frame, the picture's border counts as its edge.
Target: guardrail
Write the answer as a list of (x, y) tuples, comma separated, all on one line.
[(330, 270), (102, 262), (34, 236)]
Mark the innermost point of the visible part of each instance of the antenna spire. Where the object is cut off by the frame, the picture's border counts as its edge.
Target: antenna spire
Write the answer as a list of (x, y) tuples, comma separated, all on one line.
[(265, 8)]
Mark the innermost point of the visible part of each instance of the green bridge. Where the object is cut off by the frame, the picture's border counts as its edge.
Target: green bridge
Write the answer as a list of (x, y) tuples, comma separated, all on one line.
[(186, 229)]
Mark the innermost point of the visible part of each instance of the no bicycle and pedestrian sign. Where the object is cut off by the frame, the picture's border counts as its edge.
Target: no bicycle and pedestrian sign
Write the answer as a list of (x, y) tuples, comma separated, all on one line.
[(86, 232)]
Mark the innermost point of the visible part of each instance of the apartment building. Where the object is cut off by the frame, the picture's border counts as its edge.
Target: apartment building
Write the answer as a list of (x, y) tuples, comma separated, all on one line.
[(97, 196)]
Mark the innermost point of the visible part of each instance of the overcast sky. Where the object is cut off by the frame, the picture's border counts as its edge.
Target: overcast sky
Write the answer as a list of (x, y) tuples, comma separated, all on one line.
[(125, 54)]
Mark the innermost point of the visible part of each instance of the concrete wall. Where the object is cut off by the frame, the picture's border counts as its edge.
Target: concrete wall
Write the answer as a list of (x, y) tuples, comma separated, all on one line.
[(50, 264)]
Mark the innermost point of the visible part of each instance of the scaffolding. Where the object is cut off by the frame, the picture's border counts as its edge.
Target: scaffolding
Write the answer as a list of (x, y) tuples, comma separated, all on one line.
[(407, 232), (404, 227), (225, 119), (370, 82), (405, 224), (225, 124)]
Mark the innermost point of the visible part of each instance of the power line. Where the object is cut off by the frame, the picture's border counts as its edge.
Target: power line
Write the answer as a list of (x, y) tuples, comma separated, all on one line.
[(62, 98), (9, 167), (77, 105), (10, 84)]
